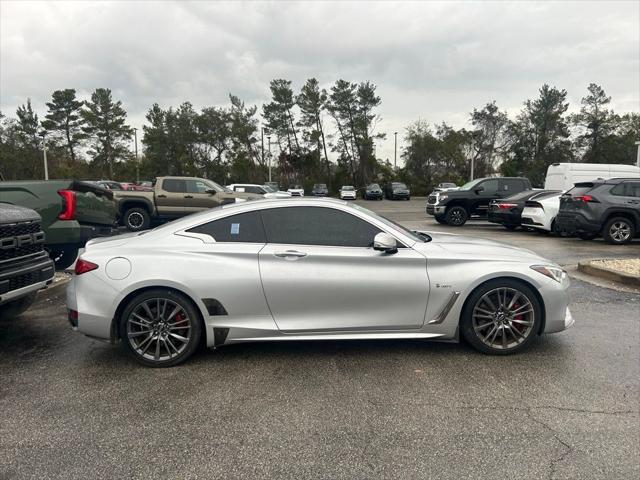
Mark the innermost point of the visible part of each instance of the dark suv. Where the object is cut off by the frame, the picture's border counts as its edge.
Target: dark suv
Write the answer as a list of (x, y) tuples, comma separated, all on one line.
[(397, 190), (455, 207), (610, 208)]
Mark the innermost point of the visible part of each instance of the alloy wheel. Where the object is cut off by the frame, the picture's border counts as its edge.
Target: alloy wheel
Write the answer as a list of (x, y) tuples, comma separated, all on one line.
[(503, 318), (620, 231), (135, 219), (159, 329)]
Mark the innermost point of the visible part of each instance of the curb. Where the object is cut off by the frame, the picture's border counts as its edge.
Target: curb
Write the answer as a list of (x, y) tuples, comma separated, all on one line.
[(589, 268)]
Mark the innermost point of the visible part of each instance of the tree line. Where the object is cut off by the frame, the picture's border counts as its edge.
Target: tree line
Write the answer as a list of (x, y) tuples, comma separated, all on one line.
[(310, 135)]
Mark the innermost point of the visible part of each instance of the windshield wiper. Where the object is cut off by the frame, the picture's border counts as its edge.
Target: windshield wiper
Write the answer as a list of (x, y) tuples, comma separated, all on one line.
[(422, 235)]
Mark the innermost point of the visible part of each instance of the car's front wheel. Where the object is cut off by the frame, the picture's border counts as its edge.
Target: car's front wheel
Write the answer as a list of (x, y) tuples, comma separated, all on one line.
[(456, 216), (501, 317), (160, 328)]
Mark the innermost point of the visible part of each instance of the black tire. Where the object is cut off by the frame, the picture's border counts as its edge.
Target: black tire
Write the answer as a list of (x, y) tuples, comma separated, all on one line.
[(587, 236), (456, 216), (473, 335), (440, 219), (128, 330), (16, 307), (63, 256), (618, 231), (408, 198), (555, 230), (511, 227), (136, 219)]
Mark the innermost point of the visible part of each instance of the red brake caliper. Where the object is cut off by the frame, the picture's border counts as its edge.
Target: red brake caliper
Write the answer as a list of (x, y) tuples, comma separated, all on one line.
[(518, 326)]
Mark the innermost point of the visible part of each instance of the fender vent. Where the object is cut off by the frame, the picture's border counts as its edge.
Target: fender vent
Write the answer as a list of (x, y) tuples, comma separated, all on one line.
[(220, 336), (214, 307)]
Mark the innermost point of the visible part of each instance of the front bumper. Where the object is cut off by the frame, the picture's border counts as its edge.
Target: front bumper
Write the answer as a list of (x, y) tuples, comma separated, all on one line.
[(556, 301), (435, 209), (23, 280)]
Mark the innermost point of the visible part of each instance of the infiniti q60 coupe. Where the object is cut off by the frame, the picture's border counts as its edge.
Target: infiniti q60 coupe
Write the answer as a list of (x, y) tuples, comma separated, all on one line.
[(308, 269)]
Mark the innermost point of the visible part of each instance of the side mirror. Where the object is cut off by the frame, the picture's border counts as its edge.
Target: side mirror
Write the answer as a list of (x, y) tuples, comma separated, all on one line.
[(383, 242), (479, 189), (211, 192)]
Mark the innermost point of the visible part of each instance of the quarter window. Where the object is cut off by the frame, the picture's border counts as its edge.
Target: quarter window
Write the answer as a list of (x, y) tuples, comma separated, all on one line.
[(244, 227), (633, 189), (317, 226)]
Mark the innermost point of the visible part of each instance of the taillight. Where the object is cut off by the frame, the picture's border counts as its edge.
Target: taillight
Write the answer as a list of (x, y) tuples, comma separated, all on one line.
[(585, 199), (533, 204), (506, 206), (83, 266), (69, 205)]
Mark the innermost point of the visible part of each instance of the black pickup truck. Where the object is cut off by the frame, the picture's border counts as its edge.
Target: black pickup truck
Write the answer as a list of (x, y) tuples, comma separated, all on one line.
[(455, 207), (25, 266)]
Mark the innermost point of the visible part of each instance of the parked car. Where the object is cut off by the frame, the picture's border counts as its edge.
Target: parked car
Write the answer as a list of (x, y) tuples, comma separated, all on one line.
[(296, 190), (540, 213), (173, 197), (607, 208), (72, 212), (472, 199), (373, 192), (25, 266), (309, 269), (347, 192), (508, 211), (265, 191), (143, 186), (397, 191), (320, 190), (110, 185)]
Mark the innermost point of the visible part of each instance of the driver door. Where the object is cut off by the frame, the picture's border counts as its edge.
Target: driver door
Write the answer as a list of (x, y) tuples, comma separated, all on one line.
[(197, 198), (320, 273), (488, 192)]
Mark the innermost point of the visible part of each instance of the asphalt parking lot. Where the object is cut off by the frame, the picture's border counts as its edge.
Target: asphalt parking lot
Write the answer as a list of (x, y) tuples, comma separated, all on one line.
[(568, 407)]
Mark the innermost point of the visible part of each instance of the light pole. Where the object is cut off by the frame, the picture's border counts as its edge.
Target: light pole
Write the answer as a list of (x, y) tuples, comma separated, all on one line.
[(135, 140), (44, 152), (262, 144), (269, 140), (395, 150), (638, 155), (472, 162)]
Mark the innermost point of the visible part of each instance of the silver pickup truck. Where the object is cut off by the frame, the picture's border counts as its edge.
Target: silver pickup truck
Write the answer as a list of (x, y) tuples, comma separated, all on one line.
[(173, 197)]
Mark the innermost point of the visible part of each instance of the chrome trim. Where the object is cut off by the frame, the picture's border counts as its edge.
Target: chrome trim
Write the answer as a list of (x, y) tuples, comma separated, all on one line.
[(446, 309)]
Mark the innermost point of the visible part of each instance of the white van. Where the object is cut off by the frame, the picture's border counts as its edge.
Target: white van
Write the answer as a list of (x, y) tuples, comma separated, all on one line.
[(540, 213), (562, 176)]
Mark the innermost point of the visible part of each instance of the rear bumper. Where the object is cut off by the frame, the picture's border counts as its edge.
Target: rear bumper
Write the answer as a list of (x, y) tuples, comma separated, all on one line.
[(576, 223), (504, 218), (21, 281)]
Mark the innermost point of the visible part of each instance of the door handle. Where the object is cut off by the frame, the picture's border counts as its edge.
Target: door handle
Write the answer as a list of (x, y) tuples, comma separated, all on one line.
[(162, 196), (188, 196), (290, 254)]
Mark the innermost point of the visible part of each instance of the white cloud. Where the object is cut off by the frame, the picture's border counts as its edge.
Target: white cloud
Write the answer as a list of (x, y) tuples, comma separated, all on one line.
[(433, 60)]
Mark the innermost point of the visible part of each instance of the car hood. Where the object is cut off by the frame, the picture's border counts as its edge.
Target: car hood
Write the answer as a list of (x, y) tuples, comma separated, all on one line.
[(479, 248)]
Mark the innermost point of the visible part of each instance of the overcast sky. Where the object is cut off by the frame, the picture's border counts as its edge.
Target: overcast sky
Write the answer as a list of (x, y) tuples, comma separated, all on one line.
[(430, 60)]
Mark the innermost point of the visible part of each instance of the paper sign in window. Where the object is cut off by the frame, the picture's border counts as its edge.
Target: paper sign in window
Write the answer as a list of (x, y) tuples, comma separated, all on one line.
[(235, 229)]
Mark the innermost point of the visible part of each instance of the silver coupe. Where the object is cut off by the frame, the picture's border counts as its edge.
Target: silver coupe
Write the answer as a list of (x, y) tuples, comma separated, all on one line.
[(308, 269)]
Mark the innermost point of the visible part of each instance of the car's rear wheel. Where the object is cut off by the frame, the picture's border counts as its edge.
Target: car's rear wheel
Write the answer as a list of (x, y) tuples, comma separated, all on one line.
[(618, 231), (456, 216), (160, 328), (137, 219), (501, 317)]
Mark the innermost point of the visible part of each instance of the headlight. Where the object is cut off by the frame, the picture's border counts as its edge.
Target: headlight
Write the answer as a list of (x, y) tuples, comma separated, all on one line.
[(442, 196), (552, 272)]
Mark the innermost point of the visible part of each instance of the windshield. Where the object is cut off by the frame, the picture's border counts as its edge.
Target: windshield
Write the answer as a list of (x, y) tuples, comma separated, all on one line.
[(347, 187), (320, 185), (398, 185), (374, 186), (416, 236), (471, 184), (297, 187)]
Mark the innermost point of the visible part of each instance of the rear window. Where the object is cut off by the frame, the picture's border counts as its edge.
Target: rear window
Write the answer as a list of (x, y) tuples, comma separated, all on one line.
[(580, 189)]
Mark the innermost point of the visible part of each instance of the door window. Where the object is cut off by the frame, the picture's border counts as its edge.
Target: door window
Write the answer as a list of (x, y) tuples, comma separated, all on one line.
[(490, 187), (244, 227), (317, 226), (633, 189), (174, 185), (197, 186)]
